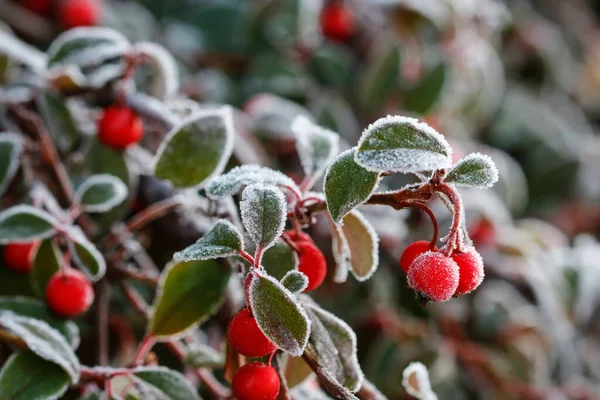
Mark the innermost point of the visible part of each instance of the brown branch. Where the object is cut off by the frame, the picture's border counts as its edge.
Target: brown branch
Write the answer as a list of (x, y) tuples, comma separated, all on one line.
[(368, 391), (122, 271), (102, 310), (328, 384)]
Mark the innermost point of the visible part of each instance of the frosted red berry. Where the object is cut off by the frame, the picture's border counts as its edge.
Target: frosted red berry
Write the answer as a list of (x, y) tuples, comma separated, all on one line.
[(19, 256), (337, 21), (256, 381), (120, 127), (74, 13), (412, 251), (69, 293), (434, 276), (246, 337), (40, 7), (470, 266), (312, 263)]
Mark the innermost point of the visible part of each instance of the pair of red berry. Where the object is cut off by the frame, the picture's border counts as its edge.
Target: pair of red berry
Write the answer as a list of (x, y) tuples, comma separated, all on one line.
[(119, 127), (68, 293), (71, 13), (438, 277), (311, 261)]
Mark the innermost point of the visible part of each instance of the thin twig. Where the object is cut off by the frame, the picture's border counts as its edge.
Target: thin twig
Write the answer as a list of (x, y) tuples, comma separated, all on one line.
[(102, 310)]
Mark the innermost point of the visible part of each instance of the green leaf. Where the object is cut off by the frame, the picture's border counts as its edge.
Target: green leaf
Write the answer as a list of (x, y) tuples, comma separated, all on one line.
[(279, 259), (26, 376), (60, 122), (46, 263), (13, 283), (422, 98), (165, 383), (402, 144), (295, 281), (10, 153), (24, 223), (278, 314), (223, 240), (86, 255), (347, 185), (188, 293), (475, 170), (37, 309), (333, 64), (196, 150), (44, 341), (263, 212), (363, 244), (381, 78), (101, 193), (203, 356)]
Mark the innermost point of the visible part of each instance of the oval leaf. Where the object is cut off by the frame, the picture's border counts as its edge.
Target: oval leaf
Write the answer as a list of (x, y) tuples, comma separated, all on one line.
[(86, 255), (279, 259), (164, 383), (263, 211), (295, 281), (223, 240), (11, 148), (189, 292), (381, 78), (347, 185), (475, 170), (402, 144), (101, 193), (426, 94), (59, 120), (46, 263), (24, 223), (363, 244), (165, 77), (196, 150), (26, 376), (278, 314)]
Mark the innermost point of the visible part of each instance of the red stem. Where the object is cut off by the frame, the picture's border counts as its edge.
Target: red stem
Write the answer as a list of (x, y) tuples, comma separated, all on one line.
[(454, 241), (423, 207), (143, 349), (247, 256)]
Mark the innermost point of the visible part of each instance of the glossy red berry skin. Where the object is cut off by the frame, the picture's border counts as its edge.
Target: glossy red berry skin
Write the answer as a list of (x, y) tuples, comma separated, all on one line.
[(40, 7), (434, 276), (256, 381), (74, 13), (470, 266), (19, 256), (246, 337), (120, 127), (69, 293), (337, 21), (413, 251), (312, 263)]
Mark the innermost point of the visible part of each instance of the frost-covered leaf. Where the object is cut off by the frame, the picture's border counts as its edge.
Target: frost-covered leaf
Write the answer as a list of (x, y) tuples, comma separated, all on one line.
[(24, 223), (295, 281), (363, 243), (59, 120), (33, 308), (188, 293), (475, 170), (273, 115), (341, 254), (16, 49), (223, 240), (316, 146), (233, 181), (85, 255), (422, 98), (416, 381), (380, 78), (46, 263), (347, 185), (25, 376), (203, 356), (334, 343), (164, 383), (11, 148), (263, 212), (197, 149), (402, 144), (279, 259), (44, 341), (101, 193), (165, 79), (278, 315)]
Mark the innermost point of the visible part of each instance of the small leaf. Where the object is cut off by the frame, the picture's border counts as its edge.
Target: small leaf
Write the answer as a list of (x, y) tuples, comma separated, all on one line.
[(24, 223), (263, 211), (279, 259), (363, 244), (341, 254), (189, 292), (46, 263), (101, 193), (165, 79), (295, 281), (164, 383), (475, 170), (416, 381), (60, 122), (278, 315), (223, 240), (381, 78), (11, 148), (233, 181), (347, 185), (203, 356), (44, 341), (402, 144), (316, 146), (422, 98), (197, 149), (86, 255), (25, 376)]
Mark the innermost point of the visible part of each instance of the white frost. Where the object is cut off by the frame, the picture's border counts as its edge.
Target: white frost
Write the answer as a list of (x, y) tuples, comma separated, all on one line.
[(483, 173), (263, 210), (118, 195), (166, 80), (416, 381), (363, 262), (26, 209)]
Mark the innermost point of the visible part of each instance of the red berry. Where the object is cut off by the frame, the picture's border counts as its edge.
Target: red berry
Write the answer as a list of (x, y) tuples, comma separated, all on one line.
[(337, 21), (120, 127), (74, 13), (413, 251), (312, 263), (19, 256), (246, 337), (470, 267), (41, 7), (69, 293), (256, 381), (482, 233), (434, 276), (298, 236)]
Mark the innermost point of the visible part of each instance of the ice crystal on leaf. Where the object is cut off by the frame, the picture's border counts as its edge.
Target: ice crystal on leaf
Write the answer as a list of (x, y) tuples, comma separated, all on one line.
[(263, 211), (475, 170)]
